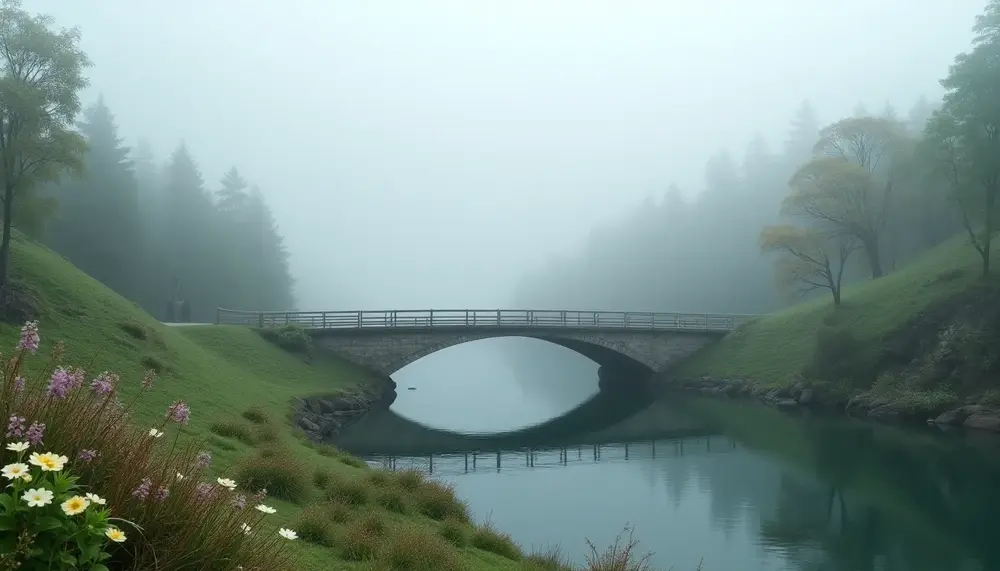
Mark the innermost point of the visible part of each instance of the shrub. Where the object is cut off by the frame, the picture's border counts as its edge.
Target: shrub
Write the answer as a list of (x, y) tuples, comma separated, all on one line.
[(619, 556), (326, 450), (437, 501), (415, 549), (291, 338), (256, 415), (151, 481), (280, 473), (234, 430), (321, 478), (267, 433), (363, 537), (392, 500), (455, 532), (338, 512), (551, 560), (409, 480), (488, 538), (352, 461), (379, 478), (350, 492), (314, 525)]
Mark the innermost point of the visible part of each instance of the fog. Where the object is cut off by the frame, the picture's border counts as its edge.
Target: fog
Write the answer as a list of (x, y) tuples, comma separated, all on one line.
[(430, 154)]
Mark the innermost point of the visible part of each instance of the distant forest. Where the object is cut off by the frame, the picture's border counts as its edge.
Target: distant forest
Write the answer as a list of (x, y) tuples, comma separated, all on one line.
[(157, 232), (705, 255)]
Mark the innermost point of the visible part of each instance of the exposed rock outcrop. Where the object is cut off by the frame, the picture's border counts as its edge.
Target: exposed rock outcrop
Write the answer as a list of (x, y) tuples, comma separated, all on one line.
[(322, 416)]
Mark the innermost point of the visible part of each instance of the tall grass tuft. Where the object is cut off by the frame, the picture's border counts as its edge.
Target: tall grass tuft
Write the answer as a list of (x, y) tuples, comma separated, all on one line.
[(281, 473), (438, 501), (619, 556), (154, 482), (488, 538), (415, 549), (363, 537), (348, 491)]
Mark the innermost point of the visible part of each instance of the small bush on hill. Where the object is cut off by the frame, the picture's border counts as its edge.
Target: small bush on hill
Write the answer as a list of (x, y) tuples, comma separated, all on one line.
[(415, 549), (256, 415), (235, 430), (352, 461), (392, 500), (280, 473), (290, 338), (321, 478), (488, 538), (266, 433), (437, 501), (455, 532), (166, 515), (379, 478), (349, 491), (339, 512), (409, 480), (363, 538), (314, 525)]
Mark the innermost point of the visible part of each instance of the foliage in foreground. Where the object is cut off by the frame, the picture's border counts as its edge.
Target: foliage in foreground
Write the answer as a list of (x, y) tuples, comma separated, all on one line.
[(163, 514)]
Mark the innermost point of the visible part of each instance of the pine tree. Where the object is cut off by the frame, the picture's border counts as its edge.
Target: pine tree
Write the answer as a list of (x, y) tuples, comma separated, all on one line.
[(98, 225)]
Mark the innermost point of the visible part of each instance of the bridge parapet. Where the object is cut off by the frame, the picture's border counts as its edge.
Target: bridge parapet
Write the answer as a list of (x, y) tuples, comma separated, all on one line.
[(486, 319)]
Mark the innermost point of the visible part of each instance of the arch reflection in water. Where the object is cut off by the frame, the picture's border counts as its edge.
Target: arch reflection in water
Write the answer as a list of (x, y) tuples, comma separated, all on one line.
[(605, 418)]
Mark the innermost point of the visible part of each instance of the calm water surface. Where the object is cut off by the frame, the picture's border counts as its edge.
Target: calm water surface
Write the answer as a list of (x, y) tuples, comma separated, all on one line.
[(736, 485)]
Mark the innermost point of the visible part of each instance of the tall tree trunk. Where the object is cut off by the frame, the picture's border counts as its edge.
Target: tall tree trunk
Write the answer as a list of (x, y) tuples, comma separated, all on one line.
[(8, 211), (836, 295), (871, 249)]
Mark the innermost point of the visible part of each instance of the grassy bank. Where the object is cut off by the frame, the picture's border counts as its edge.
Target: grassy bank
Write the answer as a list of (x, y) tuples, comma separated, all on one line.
[(239, 388), (787, 346)]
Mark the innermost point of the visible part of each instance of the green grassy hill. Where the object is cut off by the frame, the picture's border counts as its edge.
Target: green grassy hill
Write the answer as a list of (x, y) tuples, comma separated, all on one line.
[(780, 348), (239, 388)]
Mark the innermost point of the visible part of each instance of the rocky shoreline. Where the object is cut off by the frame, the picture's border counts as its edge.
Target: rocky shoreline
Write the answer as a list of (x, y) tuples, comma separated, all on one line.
[(322, 416), (859, 404)]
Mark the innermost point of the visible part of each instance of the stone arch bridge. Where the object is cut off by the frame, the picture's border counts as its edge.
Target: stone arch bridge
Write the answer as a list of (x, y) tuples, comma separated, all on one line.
[(386, 341)]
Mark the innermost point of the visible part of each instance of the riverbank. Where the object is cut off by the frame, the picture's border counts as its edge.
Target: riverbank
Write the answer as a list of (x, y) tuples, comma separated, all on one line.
[(243, 392), (917, 345)]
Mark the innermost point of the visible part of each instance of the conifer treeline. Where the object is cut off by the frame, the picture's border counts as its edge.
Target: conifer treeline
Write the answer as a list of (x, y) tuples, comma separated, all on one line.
[(155, 233)]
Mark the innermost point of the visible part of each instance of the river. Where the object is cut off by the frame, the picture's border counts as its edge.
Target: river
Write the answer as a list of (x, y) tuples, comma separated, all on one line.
[(731, 484)]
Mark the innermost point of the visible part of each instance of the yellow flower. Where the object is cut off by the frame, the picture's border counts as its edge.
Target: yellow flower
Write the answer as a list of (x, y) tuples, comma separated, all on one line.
[(288, 534), (48, 462), (155, 433), (37, 497), (115, 534), (95, 499), (265, 509), (14, 471), (17, 446), (27, 478), (75, 505), (226, 483)]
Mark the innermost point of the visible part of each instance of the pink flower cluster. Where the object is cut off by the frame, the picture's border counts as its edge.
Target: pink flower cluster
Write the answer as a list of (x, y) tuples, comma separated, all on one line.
[(64, 381), (104, 384), (29, 337), (179, 412)]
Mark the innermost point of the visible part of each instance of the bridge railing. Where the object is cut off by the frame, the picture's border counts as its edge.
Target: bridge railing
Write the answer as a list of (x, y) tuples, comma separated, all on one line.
[(486, 318)]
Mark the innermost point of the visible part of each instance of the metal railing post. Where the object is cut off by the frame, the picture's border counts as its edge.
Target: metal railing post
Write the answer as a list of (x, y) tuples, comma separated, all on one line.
[(431, 321), (359, 319), (260, 319)]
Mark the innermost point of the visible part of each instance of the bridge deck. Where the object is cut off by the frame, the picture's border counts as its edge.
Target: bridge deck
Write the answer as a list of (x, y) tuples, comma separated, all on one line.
[(484, 319)]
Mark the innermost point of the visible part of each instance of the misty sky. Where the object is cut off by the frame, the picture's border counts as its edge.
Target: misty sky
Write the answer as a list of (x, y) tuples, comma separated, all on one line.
[(425, 153)]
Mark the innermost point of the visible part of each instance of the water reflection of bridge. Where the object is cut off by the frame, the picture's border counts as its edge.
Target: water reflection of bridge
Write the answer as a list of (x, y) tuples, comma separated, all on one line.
[(553, 457)]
